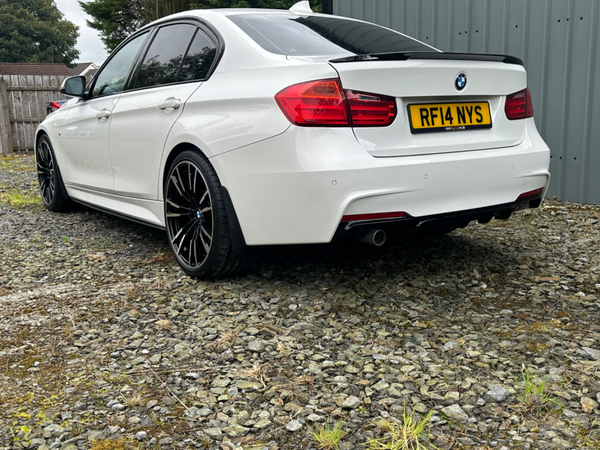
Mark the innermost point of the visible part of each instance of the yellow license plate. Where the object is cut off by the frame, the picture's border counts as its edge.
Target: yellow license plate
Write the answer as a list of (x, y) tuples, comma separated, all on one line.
[(449, 116)]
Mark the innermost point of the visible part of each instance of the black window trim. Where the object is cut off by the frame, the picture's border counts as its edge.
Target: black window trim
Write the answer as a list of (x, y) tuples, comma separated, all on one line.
[(202, 25), (187, 50), (142, 49)]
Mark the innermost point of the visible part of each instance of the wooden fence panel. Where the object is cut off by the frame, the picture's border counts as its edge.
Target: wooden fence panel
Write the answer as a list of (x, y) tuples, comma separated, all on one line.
[(5, 129), (25, 101)]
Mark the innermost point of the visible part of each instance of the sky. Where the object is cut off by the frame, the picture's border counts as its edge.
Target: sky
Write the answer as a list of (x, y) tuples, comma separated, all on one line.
[(91, 48)]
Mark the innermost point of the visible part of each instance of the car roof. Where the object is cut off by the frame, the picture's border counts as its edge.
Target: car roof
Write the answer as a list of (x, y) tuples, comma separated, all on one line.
[(208, 14), (225, 12), (235, 11)]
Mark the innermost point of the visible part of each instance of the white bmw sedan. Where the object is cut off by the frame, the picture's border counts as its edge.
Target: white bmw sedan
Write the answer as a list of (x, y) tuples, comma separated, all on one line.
[(241, 127)]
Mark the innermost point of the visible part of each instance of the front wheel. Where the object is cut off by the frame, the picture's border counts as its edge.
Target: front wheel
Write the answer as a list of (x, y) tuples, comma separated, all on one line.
[(196, 218), (52, 188)]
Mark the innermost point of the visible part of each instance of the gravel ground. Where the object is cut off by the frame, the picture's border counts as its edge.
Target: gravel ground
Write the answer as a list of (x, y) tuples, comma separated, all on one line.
[(106, 344)]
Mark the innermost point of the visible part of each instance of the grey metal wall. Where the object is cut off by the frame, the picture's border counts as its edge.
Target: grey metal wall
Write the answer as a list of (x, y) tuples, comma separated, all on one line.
[(559, 42)]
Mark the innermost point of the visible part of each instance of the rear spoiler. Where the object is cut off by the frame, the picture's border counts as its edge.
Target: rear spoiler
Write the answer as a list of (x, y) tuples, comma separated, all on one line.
[(404, 56)]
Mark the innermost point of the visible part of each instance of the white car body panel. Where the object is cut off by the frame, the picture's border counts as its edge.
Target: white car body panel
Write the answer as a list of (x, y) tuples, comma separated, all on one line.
[(81, 141), (322, 174), (431, 78), (432, 82), (291, 184), (223, 114), (138, 132), (147, 211)]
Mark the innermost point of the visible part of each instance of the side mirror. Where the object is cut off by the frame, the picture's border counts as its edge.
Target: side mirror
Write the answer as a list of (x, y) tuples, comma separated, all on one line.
[(73, 86)]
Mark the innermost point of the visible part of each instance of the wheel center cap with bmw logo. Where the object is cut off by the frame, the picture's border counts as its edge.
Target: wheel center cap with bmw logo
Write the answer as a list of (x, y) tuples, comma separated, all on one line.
[(461, 81)]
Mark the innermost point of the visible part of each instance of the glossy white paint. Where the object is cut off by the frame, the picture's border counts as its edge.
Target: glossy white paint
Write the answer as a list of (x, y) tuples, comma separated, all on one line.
[(149, 211), (428, 82), (81, 142), (138, 132), (303, 181), (224, 114), (292, 185)]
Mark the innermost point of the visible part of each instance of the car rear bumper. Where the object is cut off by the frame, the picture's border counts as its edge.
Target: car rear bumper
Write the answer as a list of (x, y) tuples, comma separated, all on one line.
[(296, 187), (436, 223)]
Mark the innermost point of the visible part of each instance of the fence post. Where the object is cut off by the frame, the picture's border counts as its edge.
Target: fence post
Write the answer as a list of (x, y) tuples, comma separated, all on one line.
[(5, 129)]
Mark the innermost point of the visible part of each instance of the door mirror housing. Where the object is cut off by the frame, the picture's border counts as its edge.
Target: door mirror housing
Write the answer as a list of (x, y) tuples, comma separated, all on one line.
[(73, 86)]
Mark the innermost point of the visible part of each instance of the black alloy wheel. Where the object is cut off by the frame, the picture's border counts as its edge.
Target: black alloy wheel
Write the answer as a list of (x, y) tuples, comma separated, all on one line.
[(52, 189), (196, 219)]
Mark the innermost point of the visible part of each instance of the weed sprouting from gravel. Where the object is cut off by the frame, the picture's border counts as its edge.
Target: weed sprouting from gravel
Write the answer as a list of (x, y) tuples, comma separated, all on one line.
[(227, 339), (535, 397), (409, 434), (256, 372), (327, 437)]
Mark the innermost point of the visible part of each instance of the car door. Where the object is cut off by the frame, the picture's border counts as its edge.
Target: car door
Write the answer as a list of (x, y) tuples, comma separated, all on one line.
[(176, 62), (83, 135)]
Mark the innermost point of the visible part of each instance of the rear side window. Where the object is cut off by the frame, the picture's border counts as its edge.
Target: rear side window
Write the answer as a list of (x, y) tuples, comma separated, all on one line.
[(165, 55), (288, 34), (199, 58)]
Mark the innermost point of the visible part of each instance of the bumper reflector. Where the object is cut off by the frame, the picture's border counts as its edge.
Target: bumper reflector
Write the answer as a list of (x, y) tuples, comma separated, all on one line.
[(373, 216), (530, 193)]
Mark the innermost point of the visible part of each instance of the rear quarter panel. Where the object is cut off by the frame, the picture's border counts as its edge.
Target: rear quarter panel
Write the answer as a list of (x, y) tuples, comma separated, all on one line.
[(236, 107)]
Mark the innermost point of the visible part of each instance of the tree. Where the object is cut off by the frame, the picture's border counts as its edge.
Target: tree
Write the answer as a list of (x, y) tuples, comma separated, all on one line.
[(114, 19), (117, 19), (36, 31)]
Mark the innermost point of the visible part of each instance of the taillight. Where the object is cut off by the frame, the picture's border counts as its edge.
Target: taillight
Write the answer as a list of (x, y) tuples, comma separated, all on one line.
[(371, 110), (314, 104), (325, 103), (519, 105)]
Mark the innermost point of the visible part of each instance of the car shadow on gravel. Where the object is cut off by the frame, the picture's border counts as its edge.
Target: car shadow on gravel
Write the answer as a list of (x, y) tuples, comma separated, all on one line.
[(350, 258), (426, 257), (107, 225)]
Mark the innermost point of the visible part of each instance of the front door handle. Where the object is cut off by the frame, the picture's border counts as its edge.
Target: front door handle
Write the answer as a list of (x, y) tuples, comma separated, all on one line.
[(103, 115), (170, 104)]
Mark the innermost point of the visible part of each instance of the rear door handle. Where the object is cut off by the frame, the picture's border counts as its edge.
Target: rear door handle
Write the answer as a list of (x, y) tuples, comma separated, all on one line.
[(170, 104), (103, 115)]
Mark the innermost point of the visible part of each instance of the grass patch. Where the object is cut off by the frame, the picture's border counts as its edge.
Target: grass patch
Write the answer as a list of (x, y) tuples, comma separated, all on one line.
[(18, 163), (328, 438), (18, 198), (535, 397), (408, 434), (111, 444)]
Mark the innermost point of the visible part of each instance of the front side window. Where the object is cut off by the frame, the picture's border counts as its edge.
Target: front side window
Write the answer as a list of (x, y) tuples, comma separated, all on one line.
[(288, 34), (112, 77), (164, 56)]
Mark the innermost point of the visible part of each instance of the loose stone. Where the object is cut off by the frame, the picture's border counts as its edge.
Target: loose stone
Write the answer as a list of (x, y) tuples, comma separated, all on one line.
[(293, 425)]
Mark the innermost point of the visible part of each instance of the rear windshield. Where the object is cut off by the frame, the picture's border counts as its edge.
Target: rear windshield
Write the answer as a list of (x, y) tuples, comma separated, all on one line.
[(323, 36)]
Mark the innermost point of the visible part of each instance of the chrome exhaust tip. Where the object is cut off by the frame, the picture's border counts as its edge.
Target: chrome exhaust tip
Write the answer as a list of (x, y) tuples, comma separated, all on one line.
[(374, 237)]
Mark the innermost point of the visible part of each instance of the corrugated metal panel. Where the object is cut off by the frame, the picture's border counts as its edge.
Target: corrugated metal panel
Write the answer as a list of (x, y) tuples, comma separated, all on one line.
[(557, 39)]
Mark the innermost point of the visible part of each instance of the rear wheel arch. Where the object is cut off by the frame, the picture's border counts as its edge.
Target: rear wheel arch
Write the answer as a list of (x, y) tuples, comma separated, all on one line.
[(175, 152), (229, 257)]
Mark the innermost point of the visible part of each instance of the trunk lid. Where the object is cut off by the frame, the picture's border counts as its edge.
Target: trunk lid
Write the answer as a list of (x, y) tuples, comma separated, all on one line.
[(428, 84)]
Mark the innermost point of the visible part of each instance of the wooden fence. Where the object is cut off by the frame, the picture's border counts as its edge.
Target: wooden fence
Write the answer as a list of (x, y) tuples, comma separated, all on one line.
[(23, 100)]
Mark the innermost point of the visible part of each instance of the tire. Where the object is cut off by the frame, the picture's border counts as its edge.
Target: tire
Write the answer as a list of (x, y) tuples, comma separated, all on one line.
[(52, 189), (196, 218)]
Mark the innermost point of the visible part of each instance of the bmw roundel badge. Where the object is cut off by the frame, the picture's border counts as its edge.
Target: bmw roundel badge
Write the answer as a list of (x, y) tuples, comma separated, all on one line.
[(461, 81)]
